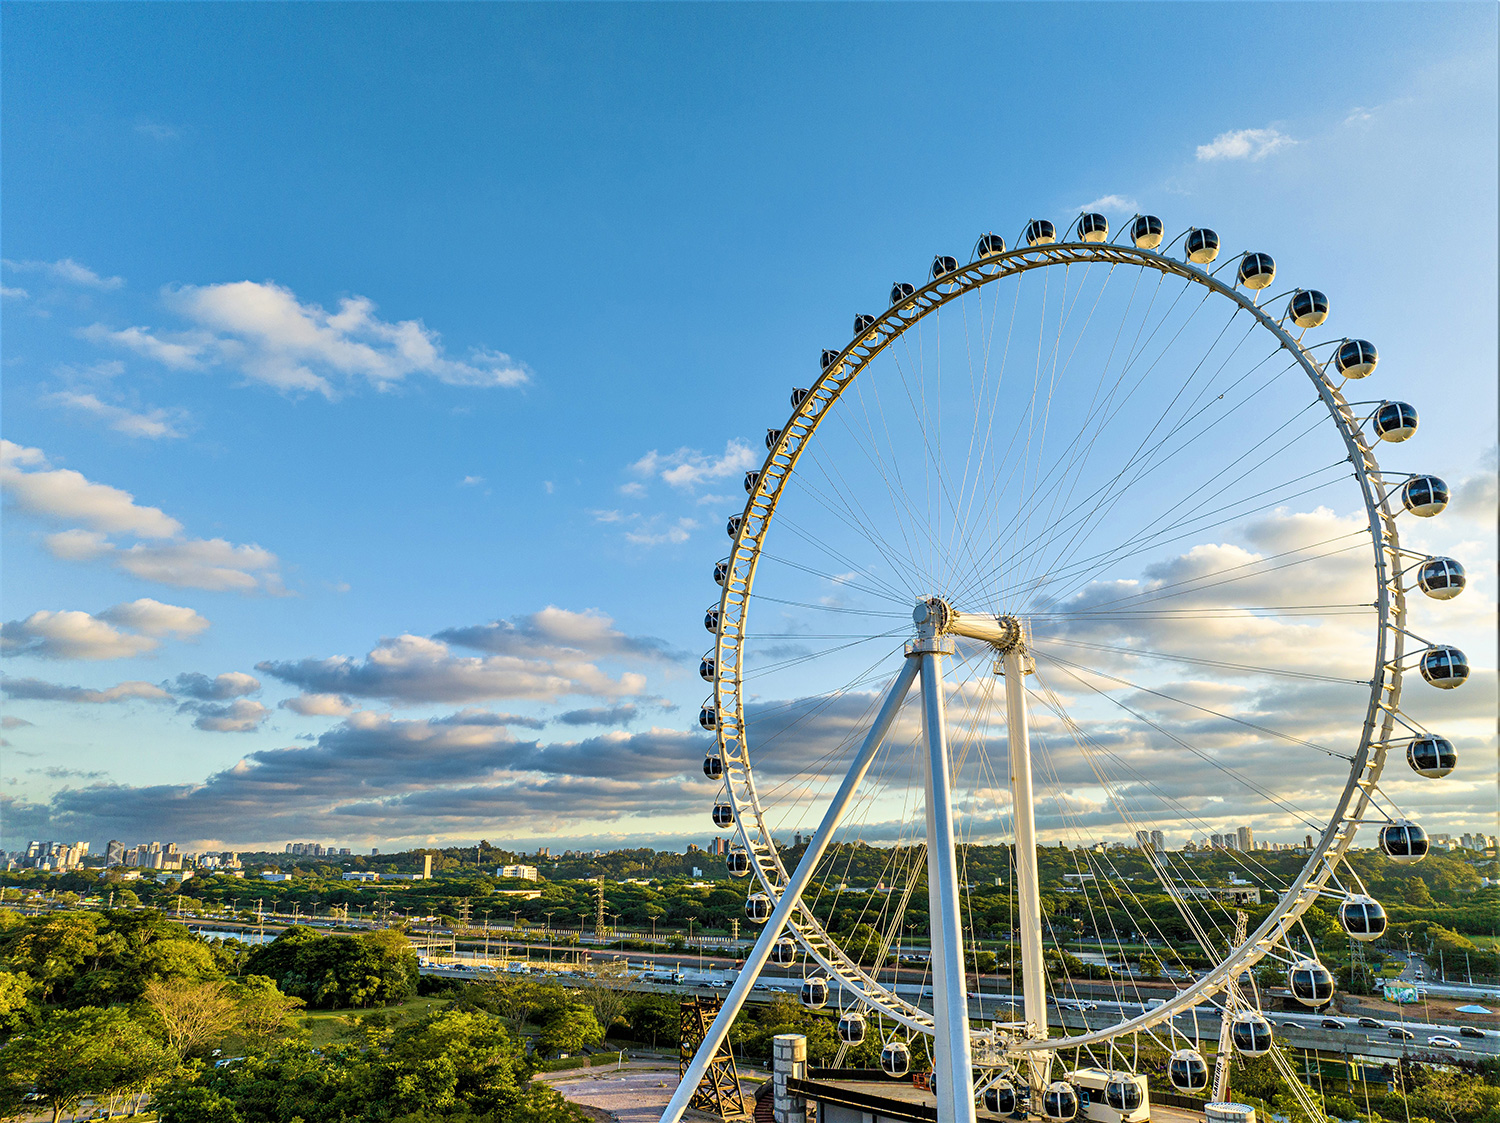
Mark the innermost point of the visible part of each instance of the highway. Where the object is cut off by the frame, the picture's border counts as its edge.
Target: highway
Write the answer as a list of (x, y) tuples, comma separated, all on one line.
[(1295, 1030)]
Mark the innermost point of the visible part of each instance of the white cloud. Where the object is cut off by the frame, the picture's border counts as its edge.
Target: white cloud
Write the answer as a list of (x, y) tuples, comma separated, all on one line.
[(220, 688), (559, 634), (1244, 144), (415, 669), (182, 353), (1110, 204), (688, 467), (36, 690), (157, 131), (264, 331), (9, 293), (154, 424), (201, 563), (153, 618), (166, 557), (64, 494), (654, 534), (240, 716), (319, 705), (471, 481), (68, 271), (116, 633), (70, 635)]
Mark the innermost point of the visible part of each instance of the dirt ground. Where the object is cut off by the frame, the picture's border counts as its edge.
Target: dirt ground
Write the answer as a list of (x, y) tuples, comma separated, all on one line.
[(633, 1094), (639, 1095), (1429, 1010)]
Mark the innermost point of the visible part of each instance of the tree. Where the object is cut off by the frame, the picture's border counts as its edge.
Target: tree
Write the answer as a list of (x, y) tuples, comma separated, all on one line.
[(338, 971), (453, 1060), (262, 1011), (607, 998), (192, 1015), (569, 1029), (654, 1018), (71, 1054), (1416, 893), (863, 944)]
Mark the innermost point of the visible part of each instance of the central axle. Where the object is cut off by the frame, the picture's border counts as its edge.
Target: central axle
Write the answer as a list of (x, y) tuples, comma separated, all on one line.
[(936, 617)]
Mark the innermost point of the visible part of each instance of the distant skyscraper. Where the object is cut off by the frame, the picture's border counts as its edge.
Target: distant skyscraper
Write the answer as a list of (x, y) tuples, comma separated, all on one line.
[(1245, 837), (1158, 842), (1143, 840)]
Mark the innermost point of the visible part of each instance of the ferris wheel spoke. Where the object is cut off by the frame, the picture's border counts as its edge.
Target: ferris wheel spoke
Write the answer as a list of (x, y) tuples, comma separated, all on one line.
[(1075, 456), (905, 515), (1023, 531), (1081, 572), (1105, 415), (1247, 571), (1109, 495), (1081, 536), (1113, 410), (1073, 669)]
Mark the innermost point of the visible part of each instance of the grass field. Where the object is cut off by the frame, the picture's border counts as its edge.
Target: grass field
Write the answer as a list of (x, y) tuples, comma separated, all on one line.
[(326, 1025)]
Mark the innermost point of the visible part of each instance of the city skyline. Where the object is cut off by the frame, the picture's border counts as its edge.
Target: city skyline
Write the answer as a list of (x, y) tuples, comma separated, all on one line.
[(369, 444)]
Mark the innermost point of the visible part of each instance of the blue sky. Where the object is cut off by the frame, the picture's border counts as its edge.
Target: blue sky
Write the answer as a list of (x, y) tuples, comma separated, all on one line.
[(372, 317)]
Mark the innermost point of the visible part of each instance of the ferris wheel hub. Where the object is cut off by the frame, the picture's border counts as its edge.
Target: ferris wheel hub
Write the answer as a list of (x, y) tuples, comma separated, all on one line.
[(935, 617)]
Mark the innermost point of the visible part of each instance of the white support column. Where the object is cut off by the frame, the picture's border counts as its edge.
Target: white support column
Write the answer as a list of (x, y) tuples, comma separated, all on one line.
[(1029, 901), (952, 1060), (790, 896)]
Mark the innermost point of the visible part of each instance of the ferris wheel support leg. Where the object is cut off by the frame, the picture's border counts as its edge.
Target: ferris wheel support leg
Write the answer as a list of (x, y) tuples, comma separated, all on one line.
[(1028, 892), (952, 1063), (734, 1001)]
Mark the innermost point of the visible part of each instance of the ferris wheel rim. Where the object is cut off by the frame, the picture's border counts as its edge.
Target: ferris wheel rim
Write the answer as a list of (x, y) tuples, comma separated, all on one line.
[(1367, 763)]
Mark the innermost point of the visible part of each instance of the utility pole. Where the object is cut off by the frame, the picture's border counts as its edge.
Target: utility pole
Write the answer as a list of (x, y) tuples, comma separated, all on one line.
[(600, 929)]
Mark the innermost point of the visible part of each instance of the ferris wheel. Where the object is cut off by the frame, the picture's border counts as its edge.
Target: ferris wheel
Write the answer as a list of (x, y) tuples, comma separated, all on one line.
[(1076, 545)]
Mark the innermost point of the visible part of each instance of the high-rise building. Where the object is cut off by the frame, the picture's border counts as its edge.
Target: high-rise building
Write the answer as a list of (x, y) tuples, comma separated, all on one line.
[(1158, 842), (1143, 840), (719, 847), (114, 852), (1244, 838)]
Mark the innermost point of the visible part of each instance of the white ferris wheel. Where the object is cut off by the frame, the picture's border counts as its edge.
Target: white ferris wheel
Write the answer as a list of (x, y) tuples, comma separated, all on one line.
[(1158, 582)]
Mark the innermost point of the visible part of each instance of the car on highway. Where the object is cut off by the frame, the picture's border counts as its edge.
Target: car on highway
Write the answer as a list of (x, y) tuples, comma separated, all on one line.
[(1331, 1023), (1443, 1041), (1371, 1023), (1396, 1033), (1291, 1025), (1471, 1031)]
